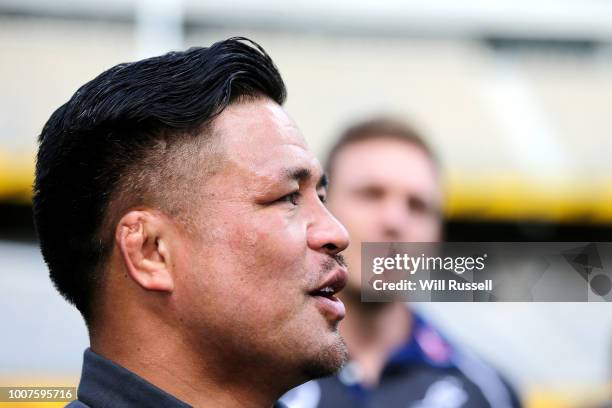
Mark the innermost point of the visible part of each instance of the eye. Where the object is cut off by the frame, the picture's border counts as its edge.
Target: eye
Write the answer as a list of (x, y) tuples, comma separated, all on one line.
[(370, 193), (290, 198), (417, 205), (323, 198)]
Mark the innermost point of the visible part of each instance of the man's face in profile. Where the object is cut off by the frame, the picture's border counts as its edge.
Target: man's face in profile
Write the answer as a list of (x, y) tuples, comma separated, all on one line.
[(384, 190), (264, 247)]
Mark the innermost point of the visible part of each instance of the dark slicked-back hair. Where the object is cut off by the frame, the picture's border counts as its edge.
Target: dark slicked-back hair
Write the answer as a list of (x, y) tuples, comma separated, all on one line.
[(376, 128), (116, 140)]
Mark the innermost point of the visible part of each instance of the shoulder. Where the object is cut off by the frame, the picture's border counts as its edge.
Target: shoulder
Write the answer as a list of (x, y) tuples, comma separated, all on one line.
[(495, 387)]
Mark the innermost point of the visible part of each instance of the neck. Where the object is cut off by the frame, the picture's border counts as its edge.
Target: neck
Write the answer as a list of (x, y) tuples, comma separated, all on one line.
[(178, 366), (372, 331)]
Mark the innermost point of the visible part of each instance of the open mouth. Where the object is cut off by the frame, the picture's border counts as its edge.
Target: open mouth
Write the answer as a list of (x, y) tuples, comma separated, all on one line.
[(326, 292), (329, 304)]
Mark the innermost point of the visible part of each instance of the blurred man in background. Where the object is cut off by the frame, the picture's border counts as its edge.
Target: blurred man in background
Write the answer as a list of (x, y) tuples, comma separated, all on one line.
[(180, 210), (386, 187)]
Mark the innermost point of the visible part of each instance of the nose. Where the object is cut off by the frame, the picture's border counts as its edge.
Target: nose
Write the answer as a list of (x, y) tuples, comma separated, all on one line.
[(394, 220), (326, 233)]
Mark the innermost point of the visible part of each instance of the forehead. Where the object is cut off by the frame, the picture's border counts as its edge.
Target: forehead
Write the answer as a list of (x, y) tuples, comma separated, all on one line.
[(260, 138), (386, 162)]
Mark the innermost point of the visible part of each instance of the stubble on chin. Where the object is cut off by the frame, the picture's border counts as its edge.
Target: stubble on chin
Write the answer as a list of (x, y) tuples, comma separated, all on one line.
[(329, 359)]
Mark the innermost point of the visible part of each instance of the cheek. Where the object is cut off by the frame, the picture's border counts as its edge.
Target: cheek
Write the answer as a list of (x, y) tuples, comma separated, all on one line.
[(269, 244), (425, 229), (253, 274), (265, 258)]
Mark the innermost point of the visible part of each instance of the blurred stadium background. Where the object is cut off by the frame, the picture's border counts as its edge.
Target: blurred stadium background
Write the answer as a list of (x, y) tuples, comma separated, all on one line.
[(515, 96)]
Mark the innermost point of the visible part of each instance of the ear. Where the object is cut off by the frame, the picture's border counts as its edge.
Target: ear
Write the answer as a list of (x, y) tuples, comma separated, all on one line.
[(141, 237)]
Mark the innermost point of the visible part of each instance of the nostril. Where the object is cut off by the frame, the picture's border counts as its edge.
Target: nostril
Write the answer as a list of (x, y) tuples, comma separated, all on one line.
[(330, 247), (391, 234)]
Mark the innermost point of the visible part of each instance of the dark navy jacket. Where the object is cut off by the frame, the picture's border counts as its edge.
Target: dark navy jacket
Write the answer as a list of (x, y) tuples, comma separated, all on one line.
[(426, 372), (105, 384)]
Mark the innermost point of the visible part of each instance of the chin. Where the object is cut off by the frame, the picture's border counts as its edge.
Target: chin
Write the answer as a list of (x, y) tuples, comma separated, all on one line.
[(328, 359)]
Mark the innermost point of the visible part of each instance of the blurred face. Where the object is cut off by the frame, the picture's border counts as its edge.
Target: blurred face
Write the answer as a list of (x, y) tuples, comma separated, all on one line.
[(384, 190), (264, 267)]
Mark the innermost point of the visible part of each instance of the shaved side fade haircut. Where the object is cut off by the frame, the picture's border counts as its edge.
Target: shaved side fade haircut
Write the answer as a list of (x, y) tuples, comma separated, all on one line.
[(132, 137)]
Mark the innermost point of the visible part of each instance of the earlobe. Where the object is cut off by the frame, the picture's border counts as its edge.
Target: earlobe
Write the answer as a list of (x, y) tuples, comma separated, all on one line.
[(144, 252)]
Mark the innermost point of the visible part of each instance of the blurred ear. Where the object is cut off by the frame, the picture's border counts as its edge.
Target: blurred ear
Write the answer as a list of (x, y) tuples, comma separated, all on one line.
[(142, 238)]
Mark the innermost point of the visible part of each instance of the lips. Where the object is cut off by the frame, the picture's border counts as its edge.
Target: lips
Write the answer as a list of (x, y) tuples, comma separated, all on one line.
[(325, 295)]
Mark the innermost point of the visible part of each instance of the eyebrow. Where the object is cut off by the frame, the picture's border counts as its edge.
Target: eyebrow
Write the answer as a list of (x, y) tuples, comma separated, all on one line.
[(301, 174)]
